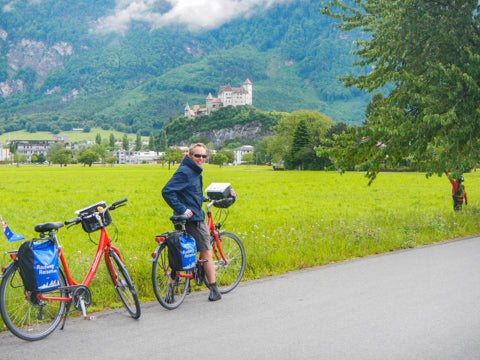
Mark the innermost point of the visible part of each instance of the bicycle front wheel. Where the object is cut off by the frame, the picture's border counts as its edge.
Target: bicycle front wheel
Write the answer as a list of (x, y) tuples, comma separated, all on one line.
[(169, 298), (23, 314), (123, 284), (230, 269)]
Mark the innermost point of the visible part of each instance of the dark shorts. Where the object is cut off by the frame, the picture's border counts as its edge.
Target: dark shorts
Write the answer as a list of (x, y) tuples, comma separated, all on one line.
[(457, 203), (199, 231)]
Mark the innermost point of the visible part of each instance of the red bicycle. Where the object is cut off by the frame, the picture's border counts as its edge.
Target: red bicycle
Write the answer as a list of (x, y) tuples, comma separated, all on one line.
[(228, 256), (32, 315)]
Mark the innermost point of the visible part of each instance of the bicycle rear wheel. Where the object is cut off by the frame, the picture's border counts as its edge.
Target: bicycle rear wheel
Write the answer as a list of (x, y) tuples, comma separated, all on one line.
[(160, 275), (123, 284), (228, 273), (23, 314)]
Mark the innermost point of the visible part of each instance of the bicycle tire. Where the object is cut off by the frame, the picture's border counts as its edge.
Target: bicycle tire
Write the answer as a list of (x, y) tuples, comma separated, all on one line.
[(25, 316), (229, 275), (123, 285), (160, 275)]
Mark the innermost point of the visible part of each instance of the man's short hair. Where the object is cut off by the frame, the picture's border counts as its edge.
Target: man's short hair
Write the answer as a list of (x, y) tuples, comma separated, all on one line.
[(193, 146)]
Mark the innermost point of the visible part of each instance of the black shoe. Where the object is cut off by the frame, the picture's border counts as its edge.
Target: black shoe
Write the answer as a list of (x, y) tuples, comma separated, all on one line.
[(169, 297), (214, 293)]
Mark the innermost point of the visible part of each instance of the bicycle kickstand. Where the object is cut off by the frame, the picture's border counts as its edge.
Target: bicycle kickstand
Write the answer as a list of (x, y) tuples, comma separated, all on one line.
[(67, 311)]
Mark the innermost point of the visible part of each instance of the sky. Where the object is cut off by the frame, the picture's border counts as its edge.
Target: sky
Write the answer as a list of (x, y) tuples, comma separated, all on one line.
[(193, 14)]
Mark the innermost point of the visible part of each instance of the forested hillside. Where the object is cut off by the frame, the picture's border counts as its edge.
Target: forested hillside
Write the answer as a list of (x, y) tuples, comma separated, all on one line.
[(66, 64)]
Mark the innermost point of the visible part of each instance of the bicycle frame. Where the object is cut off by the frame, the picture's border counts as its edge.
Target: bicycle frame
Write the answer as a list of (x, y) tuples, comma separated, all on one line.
[(104, 244), (216, 246)]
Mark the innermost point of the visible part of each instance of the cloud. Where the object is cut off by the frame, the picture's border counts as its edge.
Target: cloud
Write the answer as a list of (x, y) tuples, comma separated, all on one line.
[(11, 5), (193, 14)]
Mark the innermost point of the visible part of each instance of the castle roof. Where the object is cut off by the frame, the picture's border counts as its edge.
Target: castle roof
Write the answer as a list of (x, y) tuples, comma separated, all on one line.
[(225, 88), (233, 90)]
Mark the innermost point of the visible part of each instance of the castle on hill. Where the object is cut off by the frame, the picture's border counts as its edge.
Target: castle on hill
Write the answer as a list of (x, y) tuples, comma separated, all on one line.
[(227, 96)]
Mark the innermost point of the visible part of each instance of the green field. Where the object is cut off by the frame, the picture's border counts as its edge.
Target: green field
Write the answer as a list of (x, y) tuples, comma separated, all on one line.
[(287, 220)]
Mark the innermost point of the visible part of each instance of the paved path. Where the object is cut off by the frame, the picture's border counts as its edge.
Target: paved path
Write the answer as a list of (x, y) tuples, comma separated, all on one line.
[(420, 304)]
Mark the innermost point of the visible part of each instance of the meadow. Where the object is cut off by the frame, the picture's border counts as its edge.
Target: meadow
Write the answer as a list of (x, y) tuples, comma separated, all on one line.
[(287, 220)]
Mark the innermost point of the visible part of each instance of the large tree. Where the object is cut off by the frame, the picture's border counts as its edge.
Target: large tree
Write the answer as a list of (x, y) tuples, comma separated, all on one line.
[(299, 149), (425, 56), (88, 157), (295, 137)]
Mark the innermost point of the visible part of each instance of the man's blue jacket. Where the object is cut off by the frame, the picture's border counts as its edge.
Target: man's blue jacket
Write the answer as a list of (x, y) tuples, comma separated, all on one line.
[(184, 190)]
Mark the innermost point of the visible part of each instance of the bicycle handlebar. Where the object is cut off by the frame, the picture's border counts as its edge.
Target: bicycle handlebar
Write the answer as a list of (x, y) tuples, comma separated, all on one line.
[(113, 206), (118, 203)]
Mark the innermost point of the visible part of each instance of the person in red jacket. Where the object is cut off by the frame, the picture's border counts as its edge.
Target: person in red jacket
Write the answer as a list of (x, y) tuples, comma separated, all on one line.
[(458, 192)]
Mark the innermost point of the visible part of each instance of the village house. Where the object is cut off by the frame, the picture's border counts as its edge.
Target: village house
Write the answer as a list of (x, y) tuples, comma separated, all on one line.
[(240, 151), (5, 155), (138, 157), (37, 147)]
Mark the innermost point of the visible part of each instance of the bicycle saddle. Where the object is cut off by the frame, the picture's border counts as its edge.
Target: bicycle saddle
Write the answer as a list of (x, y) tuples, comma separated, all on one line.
[(49, 226), (178, 218)]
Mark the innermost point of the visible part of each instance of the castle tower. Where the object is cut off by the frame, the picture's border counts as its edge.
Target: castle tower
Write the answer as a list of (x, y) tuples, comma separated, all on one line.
[(187, 111), (247, 85), (208, 103)]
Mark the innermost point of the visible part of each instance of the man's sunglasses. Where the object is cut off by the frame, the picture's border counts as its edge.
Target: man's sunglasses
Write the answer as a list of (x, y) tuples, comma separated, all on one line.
[(200, 155)]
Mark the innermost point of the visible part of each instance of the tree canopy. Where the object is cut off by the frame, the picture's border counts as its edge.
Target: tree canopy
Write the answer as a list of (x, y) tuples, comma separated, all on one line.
[(295, 137), (428, 54)]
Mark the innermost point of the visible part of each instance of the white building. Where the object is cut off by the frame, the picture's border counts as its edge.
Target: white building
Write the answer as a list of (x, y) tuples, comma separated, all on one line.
[(5, 155), (227, 96), (239, 152), (138, 157), (37, 147)]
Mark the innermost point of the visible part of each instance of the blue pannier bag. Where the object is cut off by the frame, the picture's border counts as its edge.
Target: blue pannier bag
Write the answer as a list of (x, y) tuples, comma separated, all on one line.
[(38, 264), (182, 251), (188, 250)]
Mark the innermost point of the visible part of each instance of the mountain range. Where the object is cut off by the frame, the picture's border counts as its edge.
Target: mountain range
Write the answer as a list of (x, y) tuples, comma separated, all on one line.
[(132, 65)]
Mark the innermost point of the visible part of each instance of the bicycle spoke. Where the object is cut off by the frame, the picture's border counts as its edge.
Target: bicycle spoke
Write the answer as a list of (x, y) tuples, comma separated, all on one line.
[(24, 315), (160, 281), (123, 286), (229, 273)]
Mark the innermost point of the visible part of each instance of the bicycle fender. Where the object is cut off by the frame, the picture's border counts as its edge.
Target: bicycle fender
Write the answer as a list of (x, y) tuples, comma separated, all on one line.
[(4, 270), (157, 251)]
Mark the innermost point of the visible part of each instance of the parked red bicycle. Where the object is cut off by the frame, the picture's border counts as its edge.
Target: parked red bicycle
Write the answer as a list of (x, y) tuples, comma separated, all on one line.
[(33, 315), (228, 256)]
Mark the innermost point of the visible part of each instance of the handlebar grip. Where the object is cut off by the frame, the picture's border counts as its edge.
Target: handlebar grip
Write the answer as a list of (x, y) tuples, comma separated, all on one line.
[(72, 221), (119, 202)]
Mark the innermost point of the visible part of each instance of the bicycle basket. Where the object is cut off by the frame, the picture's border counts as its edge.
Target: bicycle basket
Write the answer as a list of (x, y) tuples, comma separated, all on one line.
[(90, 223)]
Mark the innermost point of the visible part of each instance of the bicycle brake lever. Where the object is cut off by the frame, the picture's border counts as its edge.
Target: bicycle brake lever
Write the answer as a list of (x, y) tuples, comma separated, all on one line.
[(70, 223)]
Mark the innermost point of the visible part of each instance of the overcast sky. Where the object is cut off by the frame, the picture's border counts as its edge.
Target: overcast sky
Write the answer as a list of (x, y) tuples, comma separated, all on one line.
[(194, 14)]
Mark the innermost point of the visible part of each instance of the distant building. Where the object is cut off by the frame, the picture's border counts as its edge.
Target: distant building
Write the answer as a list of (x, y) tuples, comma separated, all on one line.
[(240, 151), (227, 96), (138, 157), (5, 154), (37, 147)]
